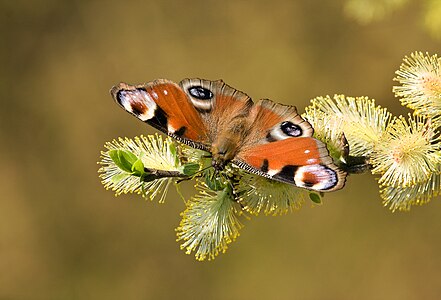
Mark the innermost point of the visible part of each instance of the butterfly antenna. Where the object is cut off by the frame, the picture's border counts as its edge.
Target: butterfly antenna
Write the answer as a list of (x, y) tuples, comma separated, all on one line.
[(213, 176)]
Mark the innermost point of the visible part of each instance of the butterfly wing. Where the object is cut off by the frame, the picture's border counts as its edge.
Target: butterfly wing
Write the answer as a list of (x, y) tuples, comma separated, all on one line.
[(279, 146), (165, 106), (219, 104)]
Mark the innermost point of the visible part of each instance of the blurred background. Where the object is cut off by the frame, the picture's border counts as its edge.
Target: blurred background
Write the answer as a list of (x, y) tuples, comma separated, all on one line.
[(63, 236)]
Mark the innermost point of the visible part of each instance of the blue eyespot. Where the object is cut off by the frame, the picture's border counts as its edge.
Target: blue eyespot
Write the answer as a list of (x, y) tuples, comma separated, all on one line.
[(291, 129), (201, 93)]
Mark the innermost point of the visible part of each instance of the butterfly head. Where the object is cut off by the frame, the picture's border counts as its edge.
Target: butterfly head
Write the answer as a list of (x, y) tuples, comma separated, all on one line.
[(218, 164), (222, 154)]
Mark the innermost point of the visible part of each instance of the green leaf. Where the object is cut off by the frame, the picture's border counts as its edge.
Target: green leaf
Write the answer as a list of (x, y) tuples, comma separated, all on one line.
[(189, 169), (138, 168), (174, 152), (123, 159), (127, 156), (315, 198)]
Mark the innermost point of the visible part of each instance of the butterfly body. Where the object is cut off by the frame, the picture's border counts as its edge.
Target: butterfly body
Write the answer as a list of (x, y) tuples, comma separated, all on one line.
[(265, 138), (224, 150)]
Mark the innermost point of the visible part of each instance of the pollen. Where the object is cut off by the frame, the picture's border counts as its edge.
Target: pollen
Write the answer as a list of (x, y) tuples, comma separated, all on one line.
[(397, 155), (407, 153), (420, 79)]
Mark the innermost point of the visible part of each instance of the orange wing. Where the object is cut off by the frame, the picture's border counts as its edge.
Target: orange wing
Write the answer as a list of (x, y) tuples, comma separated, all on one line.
[(280, 146), (165, 106), (302, 161)]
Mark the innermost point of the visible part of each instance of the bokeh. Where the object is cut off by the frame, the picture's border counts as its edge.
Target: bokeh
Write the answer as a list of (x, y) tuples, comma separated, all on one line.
[(63, 236)]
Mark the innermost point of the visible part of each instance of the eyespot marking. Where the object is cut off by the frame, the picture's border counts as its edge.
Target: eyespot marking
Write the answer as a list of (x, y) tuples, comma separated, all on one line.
[(316, 177), (202, 98), (138, 102), (200, 93), (291, 129)]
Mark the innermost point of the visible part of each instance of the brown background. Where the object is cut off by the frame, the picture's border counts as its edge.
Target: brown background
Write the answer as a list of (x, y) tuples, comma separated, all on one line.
[(62, 236)]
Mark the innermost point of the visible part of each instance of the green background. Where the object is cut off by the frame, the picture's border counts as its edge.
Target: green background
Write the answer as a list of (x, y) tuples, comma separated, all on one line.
[(63, 236)]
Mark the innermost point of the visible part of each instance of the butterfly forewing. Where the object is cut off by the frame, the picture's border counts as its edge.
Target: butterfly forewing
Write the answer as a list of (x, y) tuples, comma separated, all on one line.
[(165, 106), (302, 161)]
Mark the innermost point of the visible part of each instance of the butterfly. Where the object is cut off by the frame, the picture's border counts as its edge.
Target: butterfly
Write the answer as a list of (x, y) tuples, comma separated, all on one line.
[(265, 138)]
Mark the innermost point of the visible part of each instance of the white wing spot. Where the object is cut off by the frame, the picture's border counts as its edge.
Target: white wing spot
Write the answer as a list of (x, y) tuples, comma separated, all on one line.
[(171, 129), (154, 94), (151, 106), (312, 161), (326, 177), (272, 172)]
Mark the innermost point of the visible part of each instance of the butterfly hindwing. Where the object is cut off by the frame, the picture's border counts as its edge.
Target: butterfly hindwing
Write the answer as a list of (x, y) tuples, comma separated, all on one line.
[(219, 104), (272, 121)]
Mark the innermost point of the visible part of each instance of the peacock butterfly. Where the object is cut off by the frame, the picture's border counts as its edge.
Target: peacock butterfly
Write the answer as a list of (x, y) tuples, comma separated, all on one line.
[(265, 138)]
